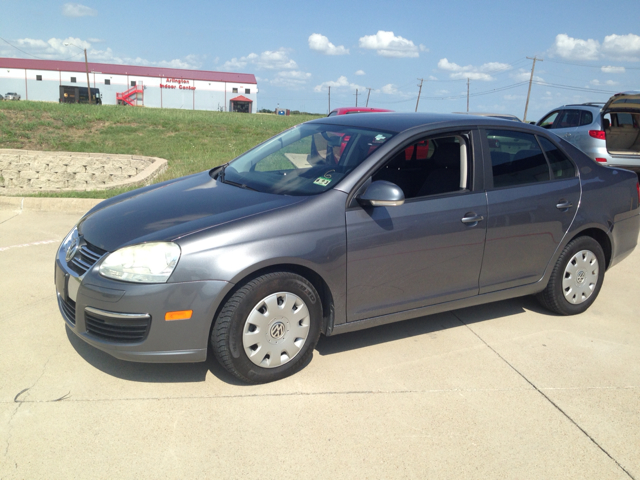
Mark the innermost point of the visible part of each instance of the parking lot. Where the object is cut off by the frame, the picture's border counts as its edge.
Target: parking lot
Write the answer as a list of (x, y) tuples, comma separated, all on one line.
[(505, 390)]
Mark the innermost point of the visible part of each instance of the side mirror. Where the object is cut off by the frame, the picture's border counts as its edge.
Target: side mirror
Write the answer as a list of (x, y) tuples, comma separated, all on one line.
[(382, 194)]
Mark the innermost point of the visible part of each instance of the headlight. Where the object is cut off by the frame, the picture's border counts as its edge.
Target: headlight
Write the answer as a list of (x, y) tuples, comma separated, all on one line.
[(145, 263), (70, 244)]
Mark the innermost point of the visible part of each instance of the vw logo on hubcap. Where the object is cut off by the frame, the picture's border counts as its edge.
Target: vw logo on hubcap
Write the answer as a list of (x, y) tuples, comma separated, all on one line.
[(580, 277), (277, 330)]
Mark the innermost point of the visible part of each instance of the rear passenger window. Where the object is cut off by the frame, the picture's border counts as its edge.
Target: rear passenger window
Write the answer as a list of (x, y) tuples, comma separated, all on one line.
[(586, 118), (516, 158), (568, 119), (561, 166)]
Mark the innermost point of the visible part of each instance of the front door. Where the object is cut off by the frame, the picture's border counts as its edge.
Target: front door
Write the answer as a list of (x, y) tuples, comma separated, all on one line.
[(426, 251)]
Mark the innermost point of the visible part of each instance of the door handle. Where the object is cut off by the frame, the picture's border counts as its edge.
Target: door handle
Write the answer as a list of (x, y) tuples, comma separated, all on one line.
[(564, 205), (472, 218)]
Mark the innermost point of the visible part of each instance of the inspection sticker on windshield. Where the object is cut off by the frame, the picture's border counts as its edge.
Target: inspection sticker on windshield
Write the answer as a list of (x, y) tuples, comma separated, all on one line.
[(322, 181)]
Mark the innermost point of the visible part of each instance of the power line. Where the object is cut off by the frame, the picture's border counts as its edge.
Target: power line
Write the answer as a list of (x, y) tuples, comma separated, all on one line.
[(31, 55), (589, 66), (578, 89)]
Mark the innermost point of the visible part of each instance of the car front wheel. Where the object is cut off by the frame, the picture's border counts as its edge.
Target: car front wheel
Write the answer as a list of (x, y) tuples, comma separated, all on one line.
[(268, 328), (576, 278)]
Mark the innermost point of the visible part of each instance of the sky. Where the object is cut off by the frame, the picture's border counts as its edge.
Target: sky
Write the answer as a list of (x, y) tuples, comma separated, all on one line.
[(383, 49)]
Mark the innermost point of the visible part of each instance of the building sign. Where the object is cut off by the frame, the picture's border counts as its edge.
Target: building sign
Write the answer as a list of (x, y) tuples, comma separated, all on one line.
[(170, 83)]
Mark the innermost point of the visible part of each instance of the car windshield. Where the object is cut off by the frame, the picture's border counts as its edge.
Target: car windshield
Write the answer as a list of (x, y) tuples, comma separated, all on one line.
[(305, 160)]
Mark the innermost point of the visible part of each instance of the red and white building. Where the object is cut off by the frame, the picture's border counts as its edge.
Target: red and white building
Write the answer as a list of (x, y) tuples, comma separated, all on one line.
[(155, 87)]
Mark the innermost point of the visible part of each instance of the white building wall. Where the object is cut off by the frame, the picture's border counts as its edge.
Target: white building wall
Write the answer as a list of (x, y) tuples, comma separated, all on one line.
[(207, 95)]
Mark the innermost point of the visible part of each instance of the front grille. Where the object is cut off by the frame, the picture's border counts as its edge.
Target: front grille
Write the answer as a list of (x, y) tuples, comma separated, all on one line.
[(120, 330), (85, 258), (68, 310)]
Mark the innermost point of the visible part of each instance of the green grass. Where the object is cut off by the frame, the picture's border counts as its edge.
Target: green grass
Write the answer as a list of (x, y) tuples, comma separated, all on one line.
[(191, 140)]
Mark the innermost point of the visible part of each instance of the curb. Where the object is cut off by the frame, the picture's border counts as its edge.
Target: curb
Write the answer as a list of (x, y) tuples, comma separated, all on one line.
[(36, 204)]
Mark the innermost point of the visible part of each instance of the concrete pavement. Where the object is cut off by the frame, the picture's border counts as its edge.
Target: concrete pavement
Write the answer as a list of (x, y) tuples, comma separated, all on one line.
[(505, 390)]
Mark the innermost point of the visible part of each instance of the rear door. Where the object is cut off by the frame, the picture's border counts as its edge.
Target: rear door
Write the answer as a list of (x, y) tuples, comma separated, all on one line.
[(533, 195), (566, 123)]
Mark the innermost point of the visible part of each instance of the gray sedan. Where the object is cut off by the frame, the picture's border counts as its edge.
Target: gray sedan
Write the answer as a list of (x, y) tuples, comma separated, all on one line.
[(341, 224)]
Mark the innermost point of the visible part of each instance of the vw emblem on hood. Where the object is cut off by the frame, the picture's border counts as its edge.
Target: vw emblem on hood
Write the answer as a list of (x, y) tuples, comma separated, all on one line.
[(71, 250)]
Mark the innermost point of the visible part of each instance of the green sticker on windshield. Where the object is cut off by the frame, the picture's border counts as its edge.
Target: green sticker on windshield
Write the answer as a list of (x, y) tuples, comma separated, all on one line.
[(322, 181)]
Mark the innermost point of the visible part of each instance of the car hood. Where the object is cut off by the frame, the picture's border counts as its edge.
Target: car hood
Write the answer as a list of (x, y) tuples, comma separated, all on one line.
[(172, 210), (623, 102)]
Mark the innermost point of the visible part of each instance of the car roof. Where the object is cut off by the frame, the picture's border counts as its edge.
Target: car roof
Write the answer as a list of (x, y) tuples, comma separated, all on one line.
[(506, 116), (347, 110), (399, 122)]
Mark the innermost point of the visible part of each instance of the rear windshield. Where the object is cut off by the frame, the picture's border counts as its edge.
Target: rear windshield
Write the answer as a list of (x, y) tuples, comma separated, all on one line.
[(305, 160)]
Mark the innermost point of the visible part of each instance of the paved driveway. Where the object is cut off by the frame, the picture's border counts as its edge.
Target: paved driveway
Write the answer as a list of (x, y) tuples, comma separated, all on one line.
[(505, 390)]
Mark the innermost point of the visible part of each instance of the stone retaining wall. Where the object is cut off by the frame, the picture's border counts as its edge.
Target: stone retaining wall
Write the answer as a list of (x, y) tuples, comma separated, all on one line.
[(32, 171)]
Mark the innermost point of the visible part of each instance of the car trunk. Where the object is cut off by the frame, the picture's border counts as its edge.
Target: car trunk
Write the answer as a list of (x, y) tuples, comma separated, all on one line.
[(622, 123)]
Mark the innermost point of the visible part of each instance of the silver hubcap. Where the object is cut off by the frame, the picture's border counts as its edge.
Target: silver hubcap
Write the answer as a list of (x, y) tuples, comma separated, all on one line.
[(276, 330), (580, 277)]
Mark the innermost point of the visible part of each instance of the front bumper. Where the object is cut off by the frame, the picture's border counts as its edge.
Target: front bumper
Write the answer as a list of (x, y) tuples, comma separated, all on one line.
[(127, 320)]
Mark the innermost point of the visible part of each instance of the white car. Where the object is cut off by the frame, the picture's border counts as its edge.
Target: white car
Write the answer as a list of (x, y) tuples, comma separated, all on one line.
[(11, 96)]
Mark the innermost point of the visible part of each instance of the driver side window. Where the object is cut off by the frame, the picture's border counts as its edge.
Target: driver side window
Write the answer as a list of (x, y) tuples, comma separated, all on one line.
[(429, 166)]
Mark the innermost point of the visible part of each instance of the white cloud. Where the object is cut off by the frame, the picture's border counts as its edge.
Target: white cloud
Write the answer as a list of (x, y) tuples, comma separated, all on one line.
[(574, 48), (77, 10), (360, 72), (291, 78), (55, 49), (431, 77), (514, 97), (608, 83), (483, 72), (613, 69), (342, 82), (276, 60), (523, 75), (390, 89), (321, 44), (386, 44), (622, 47), (615, 47)]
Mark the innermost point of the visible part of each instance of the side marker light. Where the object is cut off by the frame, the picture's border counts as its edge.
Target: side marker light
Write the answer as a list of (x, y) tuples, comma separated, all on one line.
[(179, 315)]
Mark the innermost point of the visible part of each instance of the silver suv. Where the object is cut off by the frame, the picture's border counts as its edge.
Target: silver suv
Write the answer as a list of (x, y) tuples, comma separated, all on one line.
[(607, 132)]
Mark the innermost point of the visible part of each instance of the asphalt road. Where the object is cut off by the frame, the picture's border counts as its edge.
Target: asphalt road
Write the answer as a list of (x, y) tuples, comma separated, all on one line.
[(505, 390)]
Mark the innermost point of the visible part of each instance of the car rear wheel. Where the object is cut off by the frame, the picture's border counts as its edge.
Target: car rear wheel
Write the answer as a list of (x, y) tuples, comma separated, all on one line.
[(268, 328), (576, 278)]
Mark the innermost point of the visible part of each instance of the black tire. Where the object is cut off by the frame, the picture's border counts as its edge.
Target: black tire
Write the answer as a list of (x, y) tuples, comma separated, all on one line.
[(564, 300), (233, 327)]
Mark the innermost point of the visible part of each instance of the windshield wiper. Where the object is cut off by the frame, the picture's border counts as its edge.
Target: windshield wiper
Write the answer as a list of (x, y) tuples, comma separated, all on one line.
[(241, 185), (230, 182), (221, 174)]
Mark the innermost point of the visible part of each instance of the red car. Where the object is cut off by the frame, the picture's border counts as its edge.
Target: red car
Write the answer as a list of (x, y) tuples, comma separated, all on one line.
[(348, 110)]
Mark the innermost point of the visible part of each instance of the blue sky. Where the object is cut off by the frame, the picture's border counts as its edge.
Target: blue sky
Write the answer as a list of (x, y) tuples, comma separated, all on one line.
[(298, 49)]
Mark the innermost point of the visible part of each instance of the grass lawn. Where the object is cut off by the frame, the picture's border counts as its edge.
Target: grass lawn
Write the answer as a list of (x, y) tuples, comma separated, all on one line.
[(191, 140)]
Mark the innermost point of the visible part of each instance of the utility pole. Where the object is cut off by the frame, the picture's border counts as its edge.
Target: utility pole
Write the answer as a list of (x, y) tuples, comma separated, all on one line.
[(356, 97), (86, 64), (329, 99), (368, 96), (467, 95), (526, 107), (419, 92)]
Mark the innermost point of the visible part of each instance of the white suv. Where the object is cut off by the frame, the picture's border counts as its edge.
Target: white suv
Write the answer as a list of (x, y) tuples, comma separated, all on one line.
[(12, 96), (607, 132)]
